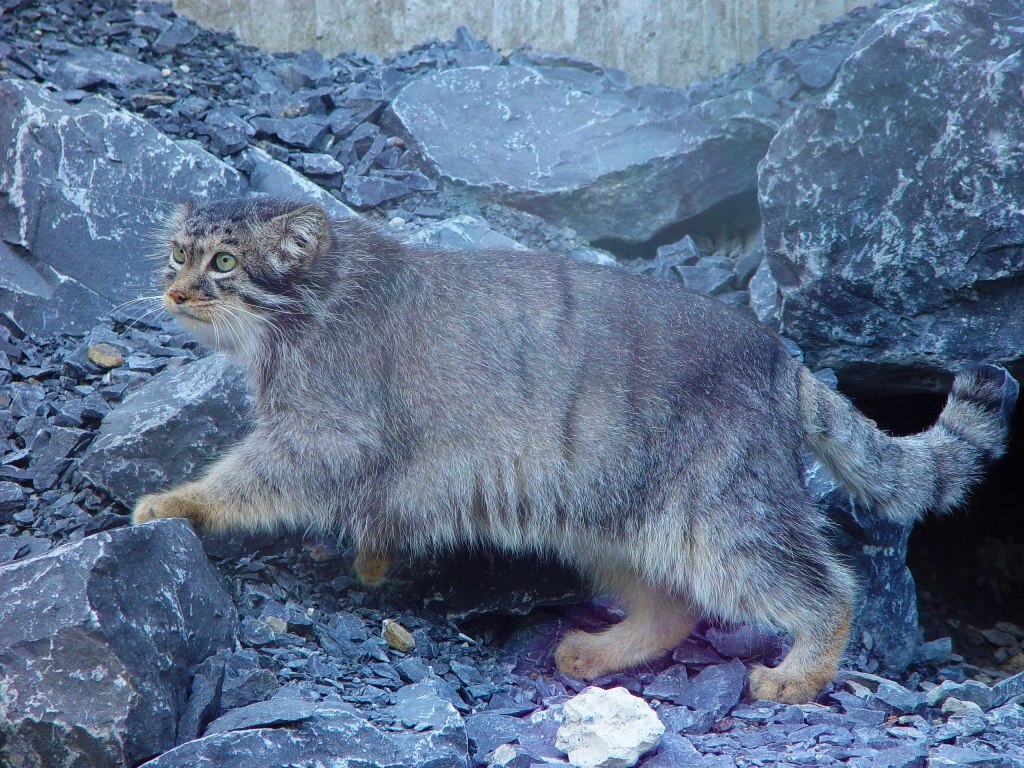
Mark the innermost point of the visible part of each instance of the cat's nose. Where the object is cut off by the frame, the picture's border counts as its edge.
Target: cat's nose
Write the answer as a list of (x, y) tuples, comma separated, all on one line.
[(176, 296)]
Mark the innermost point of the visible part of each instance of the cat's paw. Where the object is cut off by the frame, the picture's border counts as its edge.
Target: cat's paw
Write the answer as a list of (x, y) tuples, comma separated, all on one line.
[(371, 568), (584, 655), (775, 685), (170, 504)]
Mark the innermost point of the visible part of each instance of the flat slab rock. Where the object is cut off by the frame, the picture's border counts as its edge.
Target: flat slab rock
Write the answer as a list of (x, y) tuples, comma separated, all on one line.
[(892, 216), (98, 640), (82, 188), (595, 159)]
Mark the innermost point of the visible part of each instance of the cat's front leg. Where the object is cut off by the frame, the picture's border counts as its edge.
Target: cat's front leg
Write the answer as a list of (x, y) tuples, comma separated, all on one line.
[(231, 496), (186, 501)]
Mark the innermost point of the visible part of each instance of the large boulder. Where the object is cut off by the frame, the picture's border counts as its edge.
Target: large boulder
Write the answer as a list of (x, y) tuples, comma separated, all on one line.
[(892, 209), (82, 189), (168, 430), (98, 640), (606, 161)]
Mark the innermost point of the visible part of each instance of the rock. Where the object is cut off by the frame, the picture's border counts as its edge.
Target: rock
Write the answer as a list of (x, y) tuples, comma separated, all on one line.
[(228, 132), (608, 729), (167, 431), (461, 232), (332, 736), (12, 499), (439, 739), (180, 32), (597, 161), (307, 132), (714, 691), (916, 267), (370, 191), (65, 175), (397, 636), (277, 711), (487, 731), (270, 177), (967, 691), (105, 355), (87, 67), (98, 639), (204, 699)]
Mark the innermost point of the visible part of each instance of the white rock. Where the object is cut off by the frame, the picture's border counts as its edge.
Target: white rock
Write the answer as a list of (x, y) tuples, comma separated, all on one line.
[(608, 729)]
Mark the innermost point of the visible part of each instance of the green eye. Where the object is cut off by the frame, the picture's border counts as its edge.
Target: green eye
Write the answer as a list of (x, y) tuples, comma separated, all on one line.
[(177, 254), (224, 262)]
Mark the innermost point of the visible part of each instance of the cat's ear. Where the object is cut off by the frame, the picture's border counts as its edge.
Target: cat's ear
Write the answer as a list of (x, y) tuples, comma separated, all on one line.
[(297, 238)]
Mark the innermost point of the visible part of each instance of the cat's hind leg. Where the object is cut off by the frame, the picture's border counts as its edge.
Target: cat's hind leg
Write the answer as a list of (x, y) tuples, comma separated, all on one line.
[(656, 621)]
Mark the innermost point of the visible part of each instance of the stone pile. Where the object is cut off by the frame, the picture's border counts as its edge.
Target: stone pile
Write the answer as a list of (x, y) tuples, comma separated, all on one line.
[(111, 113)]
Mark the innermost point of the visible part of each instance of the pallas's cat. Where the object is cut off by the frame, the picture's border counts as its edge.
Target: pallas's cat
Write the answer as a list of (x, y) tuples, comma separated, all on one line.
[(643, 433)]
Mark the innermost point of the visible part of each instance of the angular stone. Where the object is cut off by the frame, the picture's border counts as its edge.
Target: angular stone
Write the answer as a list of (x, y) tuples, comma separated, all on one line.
[(97, 642), (462, 232), (608, 729), (716, 690), (87, 67), (83, 188), (916, 265), (440, 735), (276, 711), (167, 431), (334, 735), (271, 177), (598, 162), (369, 191)]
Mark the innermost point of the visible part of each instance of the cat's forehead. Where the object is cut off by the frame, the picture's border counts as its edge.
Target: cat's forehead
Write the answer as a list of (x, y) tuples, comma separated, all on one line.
[(228, 216)]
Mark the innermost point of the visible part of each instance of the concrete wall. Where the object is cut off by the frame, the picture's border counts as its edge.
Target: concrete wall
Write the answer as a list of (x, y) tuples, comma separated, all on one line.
[(662, 41)]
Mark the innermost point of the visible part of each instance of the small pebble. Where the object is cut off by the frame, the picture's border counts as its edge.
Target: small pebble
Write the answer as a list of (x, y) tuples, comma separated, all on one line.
[(105, 355), (397, 636)]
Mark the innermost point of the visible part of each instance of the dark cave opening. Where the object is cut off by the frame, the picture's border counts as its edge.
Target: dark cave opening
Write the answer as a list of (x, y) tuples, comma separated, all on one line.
[(968, 565)]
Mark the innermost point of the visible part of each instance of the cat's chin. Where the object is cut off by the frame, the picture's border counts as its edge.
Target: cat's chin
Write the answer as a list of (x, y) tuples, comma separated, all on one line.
[(209, 336)]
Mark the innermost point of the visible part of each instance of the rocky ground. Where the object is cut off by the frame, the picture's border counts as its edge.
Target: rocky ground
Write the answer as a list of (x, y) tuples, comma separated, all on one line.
[(121, 645)]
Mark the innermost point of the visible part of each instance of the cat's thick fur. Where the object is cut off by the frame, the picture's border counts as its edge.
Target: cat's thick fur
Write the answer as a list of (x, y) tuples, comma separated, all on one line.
[(642, 432)]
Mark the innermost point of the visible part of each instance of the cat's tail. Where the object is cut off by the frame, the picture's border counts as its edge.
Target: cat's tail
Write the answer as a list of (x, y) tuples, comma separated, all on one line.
[(906, 477)]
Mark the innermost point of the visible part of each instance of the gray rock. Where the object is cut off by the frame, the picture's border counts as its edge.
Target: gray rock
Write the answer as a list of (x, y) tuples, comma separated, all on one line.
[(969, 690), (228, 132), (598, 161), (891, 209), (76, 235), (204, 698), (706, 279), (12, 499), (276, 711), (87, 67), (307, 132), (714, 691), (1007, 689), (462, 232), (97, 642), (167, 431), (271, 177), (334, 735), (181, 32), (487, 731), (440, 737), (369, 191)]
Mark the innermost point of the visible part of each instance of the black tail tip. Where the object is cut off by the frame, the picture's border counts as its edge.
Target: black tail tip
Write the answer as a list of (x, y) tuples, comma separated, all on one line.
[(992, 384)]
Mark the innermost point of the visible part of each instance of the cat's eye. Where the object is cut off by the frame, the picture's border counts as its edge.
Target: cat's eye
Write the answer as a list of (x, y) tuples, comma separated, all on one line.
[(177, 254), (224, 262)]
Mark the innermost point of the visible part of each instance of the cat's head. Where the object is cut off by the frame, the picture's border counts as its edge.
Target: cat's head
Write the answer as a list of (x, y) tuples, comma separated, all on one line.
[(235, 267)]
